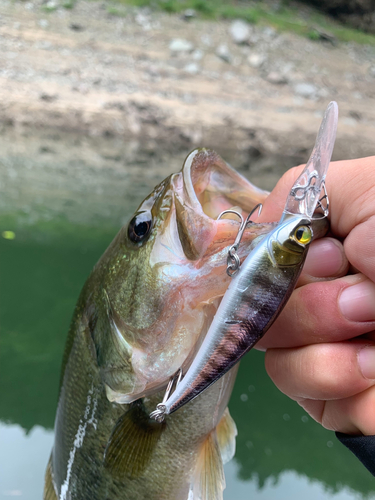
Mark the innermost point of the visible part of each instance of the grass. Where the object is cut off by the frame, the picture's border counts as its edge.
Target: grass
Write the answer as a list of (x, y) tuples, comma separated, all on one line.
[(67, 4), (296, 18)]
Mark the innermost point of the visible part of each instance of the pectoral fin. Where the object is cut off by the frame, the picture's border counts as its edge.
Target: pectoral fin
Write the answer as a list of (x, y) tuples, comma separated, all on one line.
[(132, 442), (208, 482), (49, 490), (226, 432)]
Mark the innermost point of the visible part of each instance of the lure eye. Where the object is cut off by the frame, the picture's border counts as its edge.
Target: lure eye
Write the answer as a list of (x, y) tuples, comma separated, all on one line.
[(303, 235), (140, 227)]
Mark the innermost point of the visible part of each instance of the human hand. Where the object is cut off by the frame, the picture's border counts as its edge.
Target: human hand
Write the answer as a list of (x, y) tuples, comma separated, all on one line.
[(321, 349)]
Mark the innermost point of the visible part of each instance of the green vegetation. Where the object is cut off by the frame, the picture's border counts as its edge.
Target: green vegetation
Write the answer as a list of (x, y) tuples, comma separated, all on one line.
[(52, 6), (69, 4), (300, 19)]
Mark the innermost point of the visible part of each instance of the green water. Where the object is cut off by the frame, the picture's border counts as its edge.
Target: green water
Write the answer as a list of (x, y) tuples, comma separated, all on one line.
[(281, 453)]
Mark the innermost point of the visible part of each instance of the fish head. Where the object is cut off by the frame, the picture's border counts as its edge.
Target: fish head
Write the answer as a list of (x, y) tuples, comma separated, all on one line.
[(158, 285)]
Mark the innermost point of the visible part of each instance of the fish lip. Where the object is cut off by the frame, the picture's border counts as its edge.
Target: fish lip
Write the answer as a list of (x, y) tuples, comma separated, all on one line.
[(188, 185), (215, 166)]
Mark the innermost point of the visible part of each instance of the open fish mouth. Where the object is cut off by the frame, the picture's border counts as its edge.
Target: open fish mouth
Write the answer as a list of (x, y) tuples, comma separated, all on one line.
[(212, 186), (188, 263)]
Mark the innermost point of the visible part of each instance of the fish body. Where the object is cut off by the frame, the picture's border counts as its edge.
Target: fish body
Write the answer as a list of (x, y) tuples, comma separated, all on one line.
[(265, 281), (142, 314)]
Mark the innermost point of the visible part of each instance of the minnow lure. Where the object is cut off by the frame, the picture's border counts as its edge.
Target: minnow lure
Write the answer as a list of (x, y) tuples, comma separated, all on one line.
[(261, 287)]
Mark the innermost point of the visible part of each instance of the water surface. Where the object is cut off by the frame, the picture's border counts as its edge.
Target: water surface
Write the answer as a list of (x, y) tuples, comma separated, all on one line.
[(65, 201)]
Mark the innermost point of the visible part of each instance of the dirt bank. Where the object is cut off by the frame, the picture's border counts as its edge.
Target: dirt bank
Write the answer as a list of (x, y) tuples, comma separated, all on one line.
[(91, 72)]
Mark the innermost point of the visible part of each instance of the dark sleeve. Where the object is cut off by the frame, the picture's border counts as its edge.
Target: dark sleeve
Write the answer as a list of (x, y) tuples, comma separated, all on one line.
[(363, 448)]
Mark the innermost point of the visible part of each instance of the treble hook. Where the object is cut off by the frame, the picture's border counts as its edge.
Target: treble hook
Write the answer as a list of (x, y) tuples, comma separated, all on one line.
[(233, 261), (159, 413)]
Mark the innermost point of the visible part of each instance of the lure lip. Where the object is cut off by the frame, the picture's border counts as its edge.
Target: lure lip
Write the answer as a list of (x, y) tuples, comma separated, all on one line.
[(304, 195)]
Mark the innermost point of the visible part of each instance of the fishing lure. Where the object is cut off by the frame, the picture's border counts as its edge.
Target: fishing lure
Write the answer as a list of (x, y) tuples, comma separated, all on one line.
[(262, 285)]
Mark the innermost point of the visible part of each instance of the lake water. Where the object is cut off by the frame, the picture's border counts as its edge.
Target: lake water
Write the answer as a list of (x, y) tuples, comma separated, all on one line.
[(65, 198)]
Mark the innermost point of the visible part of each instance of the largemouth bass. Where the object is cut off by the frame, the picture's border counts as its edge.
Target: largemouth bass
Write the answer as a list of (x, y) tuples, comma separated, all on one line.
[(142, 314)]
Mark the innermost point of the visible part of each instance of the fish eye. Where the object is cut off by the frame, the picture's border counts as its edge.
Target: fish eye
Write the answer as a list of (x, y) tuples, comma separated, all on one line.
[(303, 235), (139, 227)]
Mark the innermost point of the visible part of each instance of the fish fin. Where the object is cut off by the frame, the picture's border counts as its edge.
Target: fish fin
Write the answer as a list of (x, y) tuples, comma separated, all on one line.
[(49, 490), (132, 442), (226, 432), (208, 481)]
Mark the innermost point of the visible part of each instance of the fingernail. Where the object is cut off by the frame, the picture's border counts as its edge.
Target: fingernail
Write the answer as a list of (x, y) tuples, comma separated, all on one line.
[(357, 302), (324, 259), (366, 361)]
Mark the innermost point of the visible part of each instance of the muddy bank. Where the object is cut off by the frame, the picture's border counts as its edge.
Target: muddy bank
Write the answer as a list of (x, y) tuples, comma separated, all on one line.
[(87, 71)]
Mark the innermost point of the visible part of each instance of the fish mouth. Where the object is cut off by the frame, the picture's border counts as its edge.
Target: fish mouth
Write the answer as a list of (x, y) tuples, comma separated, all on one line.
[(212, 186), (206, 187)]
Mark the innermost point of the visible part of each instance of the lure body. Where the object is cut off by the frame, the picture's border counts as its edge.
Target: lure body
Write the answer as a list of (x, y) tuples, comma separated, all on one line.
[(252, 302), (265, 281)]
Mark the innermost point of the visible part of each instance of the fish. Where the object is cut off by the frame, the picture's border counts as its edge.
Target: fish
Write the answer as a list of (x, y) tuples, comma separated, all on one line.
[(142, 314), (262, 286)]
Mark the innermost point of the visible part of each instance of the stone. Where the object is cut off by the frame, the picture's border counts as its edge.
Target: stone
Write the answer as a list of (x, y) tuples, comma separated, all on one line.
[(51, 5), (44, 96), (317, 33), (240, 32), (43, 23), (223, 53), (192, 68), (256, 60), (306, 90), (197, 55), (179, 45), (269, 32), (287, 67), (276, 78), (76, 27), (189, 14), (143, 20), (206, 40)]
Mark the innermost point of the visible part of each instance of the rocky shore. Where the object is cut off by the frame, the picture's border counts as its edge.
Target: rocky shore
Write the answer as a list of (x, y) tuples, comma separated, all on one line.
[(180, 82)]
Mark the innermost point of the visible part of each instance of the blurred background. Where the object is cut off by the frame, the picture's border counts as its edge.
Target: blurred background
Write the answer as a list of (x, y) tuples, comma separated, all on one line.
[(101, 100)]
